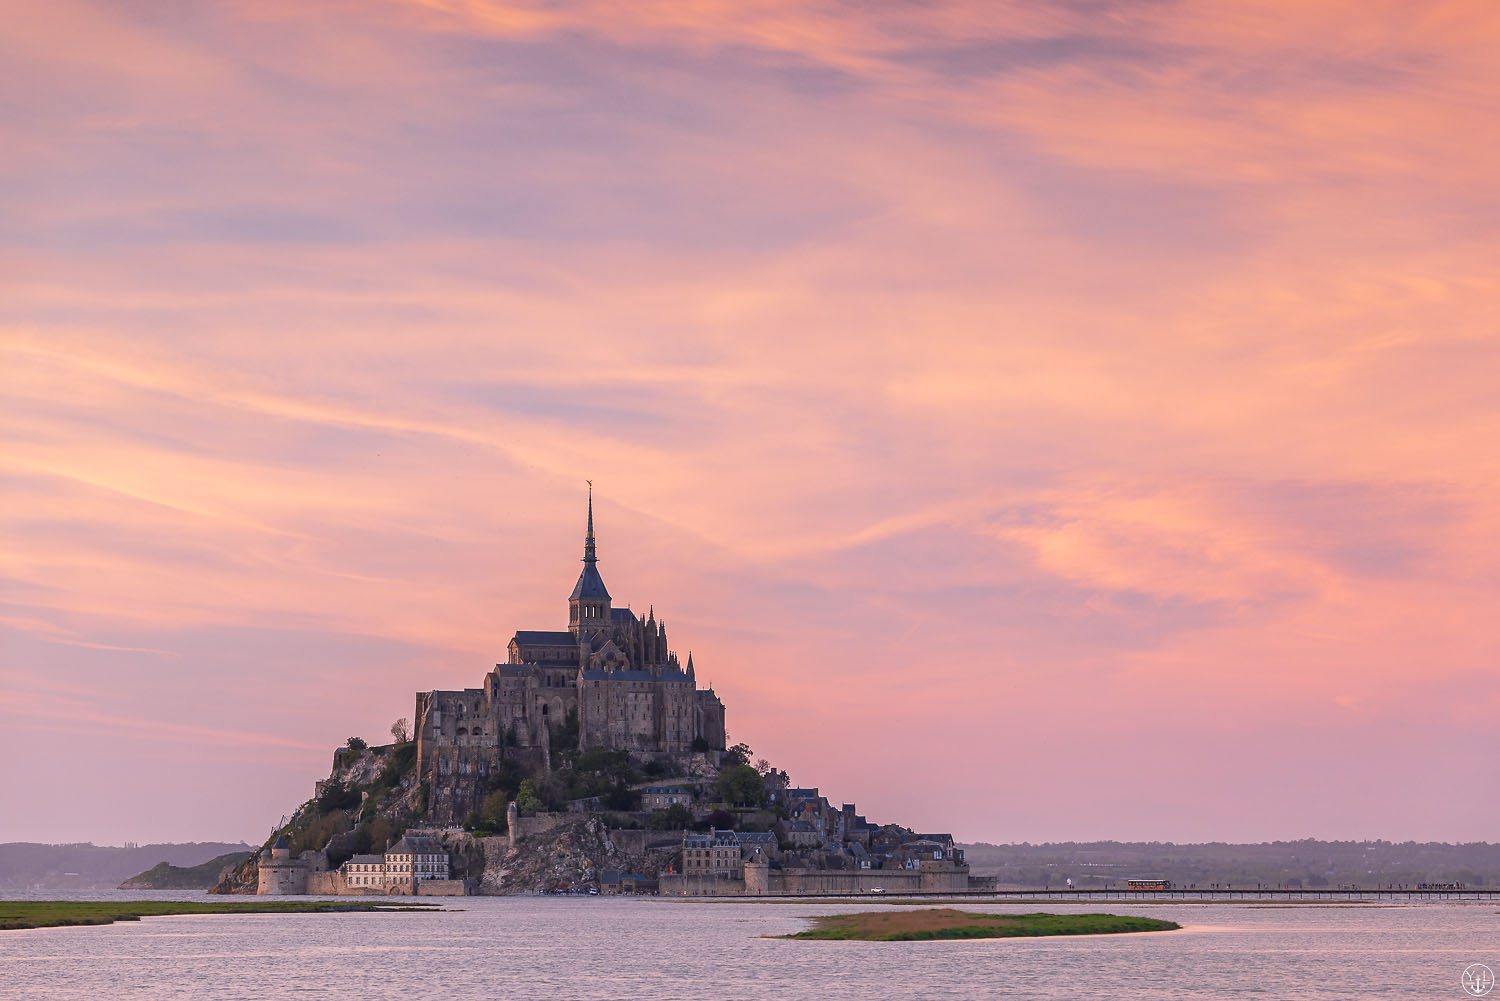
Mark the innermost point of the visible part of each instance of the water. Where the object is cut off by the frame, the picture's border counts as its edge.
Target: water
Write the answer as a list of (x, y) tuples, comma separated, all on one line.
[(610, 948)]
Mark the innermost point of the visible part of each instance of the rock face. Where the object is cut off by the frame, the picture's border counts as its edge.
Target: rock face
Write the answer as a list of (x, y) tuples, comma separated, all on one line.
[(568, 857), (368, 799)]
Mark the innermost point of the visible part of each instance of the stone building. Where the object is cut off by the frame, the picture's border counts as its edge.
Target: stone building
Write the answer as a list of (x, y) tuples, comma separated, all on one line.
[(414, 860), (278, 874), (365, 872), (661, 797), (610, 674), (717, 854)]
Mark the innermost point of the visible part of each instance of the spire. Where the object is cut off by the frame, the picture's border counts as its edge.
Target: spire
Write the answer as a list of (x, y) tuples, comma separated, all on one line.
[(590, 585), (690, 666), (589, 555)]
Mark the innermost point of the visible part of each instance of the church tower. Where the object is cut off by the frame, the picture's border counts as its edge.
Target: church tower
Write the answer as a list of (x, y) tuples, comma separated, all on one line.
[(588, 606)]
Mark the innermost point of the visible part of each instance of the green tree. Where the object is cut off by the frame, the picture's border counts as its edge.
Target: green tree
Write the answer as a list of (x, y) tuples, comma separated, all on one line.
[(383, 833), (528, 799), (565, 737), (337, 797), (492, 810), (622, 798), (674, 818), (739, 754), (356, 744), (742, 785), (720, 819)]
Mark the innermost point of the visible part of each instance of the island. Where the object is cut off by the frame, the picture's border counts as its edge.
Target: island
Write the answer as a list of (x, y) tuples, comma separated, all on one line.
[(917, 925), (587, 760)]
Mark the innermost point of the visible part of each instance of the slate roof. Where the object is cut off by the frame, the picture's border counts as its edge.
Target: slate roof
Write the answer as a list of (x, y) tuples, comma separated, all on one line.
[(416, 845), (590, 584), (369, 859), (942, 839), (621, 615), (545, 637)]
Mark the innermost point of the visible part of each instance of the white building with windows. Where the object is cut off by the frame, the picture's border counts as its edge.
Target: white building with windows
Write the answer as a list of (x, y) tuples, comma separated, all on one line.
[(415, 859), (407, 864)]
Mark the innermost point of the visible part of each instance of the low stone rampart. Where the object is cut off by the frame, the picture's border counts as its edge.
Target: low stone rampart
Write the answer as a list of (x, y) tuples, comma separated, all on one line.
[(633, 842), (441, 888)]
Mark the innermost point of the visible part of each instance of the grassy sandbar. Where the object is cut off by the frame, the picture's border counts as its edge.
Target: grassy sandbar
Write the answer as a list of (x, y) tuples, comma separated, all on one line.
[(19, 914), (916, 925)]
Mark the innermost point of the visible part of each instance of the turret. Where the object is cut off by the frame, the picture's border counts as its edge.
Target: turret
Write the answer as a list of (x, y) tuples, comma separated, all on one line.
[(648, 637), (588, 605)]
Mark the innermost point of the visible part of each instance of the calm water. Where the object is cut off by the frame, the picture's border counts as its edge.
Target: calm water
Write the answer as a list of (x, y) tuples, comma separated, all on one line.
[(565, 948)]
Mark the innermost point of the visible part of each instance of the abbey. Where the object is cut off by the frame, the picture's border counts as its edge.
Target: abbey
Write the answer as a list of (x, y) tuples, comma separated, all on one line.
[(609, 677)]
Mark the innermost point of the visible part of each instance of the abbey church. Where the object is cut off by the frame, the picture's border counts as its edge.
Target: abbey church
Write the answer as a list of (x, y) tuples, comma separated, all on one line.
[(610, 677)]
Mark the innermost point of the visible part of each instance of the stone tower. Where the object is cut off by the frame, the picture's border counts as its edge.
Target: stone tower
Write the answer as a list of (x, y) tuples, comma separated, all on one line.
[(588, 605)]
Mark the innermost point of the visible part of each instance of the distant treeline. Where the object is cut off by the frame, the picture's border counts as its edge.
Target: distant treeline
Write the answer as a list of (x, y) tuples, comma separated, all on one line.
[(25, 864), (1303, 864)]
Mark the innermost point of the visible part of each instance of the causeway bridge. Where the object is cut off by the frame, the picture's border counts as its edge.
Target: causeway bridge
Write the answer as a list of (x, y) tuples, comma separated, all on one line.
[(1235, 894)]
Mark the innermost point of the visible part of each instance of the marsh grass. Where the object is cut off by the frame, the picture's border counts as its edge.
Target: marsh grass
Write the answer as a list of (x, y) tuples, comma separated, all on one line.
[(19, 914), (911, 925)]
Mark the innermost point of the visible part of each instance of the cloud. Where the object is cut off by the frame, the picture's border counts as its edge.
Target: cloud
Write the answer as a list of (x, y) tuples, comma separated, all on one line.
[(950, 370)]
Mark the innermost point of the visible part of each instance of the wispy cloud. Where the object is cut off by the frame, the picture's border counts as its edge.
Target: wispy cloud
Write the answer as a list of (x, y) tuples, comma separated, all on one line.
[(945, 368)]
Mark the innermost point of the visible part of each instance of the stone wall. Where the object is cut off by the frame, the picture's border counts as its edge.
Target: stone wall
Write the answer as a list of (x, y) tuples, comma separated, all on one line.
[(640, 842), (539, 823), (678, 885), (332, 884), (823, 883), (281, 877), (441, 888)]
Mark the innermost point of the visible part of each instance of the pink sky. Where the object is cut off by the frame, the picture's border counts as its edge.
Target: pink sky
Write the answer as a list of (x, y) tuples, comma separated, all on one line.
[(1040, 421)]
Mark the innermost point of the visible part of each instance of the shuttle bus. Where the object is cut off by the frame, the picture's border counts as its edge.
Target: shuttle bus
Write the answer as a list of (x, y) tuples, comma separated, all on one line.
[(1148, 884)]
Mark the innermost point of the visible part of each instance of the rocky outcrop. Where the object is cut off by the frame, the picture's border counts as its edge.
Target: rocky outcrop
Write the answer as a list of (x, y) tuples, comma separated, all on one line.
[(165, 876), (369, 798), (568, 857)]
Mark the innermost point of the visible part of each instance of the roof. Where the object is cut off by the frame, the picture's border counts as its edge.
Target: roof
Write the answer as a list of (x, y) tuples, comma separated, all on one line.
[(590, 584), (416, 845), (545, 637), (280, 841), (757, 838), (621, 615), (942, 839), (369, 859)]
